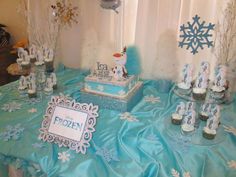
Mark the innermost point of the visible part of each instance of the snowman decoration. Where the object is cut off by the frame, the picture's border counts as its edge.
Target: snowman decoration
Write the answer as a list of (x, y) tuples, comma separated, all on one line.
[(119, 71)]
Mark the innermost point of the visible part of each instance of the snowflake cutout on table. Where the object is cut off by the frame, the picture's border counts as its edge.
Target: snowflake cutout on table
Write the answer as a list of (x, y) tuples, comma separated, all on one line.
[(175, 173), (10, 107), (38, 145), (100, 88), (32, 110), (107, 154), (12, 132), (127, 116), (232, 164), (152, 99), (196, 34), (64, 156), (230, 129)]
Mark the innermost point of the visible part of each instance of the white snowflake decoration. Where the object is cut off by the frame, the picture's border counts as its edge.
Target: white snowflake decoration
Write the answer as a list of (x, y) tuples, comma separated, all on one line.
[(232, 164), (196, 35), (121, 92), (230, 129), (32, 110), (100, 88), (64, 156), (10, 107), (174, 173), (127, 116), (152, 99), (186, 174)]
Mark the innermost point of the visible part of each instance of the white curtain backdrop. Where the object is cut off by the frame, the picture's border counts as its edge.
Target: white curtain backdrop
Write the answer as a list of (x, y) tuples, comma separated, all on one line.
[(151, 25)]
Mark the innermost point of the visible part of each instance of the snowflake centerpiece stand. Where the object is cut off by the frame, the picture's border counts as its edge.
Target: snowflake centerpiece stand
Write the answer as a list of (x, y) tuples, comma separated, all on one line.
[(112, 88)]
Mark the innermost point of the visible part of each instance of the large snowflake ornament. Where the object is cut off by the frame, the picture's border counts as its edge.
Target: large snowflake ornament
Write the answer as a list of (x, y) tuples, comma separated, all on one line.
[(196, 34)]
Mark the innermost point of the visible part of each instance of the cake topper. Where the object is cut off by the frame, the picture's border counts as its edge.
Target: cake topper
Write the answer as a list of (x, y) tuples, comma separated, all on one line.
[(189, 118), (180, 109), (119, 71), (32, 85), (206, 107), (102, 71), (48, 85), (190, 106), (53, 78), (32, 50), (23, 82), (187, 74)]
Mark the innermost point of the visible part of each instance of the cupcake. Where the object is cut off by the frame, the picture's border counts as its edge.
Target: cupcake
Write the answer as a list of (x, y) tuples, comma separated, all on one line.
[(49, 65), (189, 122), (32, 93), (209, 131), (220, 83), (199, 93), (184, 87), (54, 80), (204, 111), (177, 117), (22, 85), (201, 83), (48, 87), (25, 65)]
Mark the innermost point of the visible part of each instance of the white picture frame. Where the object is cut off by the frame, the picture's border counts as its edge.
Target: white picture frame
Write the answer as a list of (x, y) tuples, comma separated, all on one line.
[(69, 123)]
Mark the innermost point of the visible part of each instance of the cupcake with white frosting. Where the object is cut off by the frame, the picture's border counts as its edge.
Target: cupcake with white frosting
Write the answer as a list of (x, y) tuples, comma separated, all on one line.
[(177, 116), (188, 122), (32, 92), (201, 83), (210, 130), (220, 83), (205, 111), (184, 87), (48, 60)]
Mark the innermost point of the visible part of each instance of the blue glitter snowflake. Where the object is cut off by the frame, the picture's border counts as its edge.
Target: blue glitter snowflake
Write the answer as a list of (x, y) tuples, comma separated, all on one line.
[(196, 34), (12, 132)]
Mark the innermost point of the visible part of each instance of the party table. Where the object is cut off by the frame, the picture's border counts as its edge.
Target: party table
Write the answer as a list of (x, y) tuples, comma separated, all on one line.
[(140, 143)]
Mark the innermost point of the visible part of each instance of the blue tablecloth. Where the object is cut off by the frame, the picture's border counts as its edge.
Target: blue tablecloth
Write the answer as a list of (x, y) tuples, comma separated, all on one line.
[(140, 143)]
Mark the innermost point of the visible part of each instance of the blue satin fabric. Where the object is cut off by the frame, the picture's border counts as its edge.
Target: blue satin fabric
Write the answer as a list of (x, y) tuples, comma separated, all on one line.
[(149, 147)]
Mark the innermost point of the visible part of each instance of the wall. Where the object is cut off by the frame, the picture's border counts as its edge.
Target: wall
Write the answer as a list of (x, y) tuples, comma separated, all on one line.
[(12, 19)]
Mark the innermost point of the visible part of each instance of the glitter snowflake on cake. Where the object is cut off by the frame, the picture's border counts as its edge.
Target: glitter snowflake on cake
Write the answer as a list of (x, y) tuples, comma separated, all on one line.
[(196, 35), (10, 107), (64, 156), (12, 132), (127, 116), (100, 88)]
